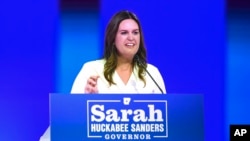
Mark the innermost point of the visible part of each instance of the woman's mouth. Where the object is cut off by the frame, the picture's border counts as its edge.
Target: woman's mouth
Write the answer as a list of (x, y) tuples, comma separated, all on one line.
[(130, 45)]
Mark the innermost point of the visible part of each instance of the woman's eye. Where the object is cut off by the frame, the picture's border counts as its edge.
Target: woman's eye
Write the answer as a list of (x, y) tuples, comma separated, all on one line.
[(123, 33), (136, 32)]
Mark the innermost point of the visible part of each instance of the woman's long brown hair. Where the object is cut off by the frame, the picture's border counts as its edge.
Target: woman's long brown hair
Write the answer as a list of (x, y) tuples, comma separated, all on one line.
[(110, 51)]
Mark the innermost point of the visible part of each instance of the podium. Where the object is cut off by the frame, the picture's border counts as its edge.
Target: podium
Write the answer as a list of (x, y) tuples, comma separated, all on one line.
[(171, 117)]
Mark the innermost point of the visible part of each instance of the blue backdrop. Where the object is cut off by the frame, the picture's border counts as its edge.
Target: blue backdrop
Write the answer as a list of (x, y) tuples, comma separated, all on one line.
[(195, 45), (28, 42)]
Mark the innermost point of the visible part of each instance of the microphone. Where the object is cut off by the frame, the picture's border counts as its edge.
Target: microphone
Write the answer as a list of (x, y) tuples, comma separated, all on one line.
[(143, 66)]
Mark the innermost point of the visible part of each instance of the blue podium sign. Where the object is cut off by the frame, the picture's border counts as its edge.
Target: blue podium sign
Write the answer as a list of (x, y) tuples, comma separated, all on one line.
[(80, 117)]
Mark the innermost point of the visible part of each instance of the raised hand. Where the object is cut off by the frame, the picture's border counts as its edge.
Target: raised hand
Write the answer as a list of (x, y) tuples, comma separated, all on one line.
[(91, 86)]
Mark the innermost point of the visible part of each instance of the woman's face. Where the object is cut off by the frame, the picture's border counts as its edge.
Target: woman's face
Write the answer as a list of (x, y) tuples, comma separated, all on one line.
[(127, 39)]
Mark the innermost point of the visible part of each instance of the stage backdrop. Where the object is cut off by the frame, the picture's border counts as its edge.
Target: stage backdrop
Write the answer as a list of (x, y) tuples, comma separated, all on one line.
[(238, 63), (185, 40), (43, 45)]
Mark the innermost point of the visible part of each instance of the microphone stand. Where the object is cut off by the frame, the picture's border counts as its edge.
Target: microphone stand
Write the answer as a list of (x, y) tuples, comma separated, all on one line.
[(140, 64)]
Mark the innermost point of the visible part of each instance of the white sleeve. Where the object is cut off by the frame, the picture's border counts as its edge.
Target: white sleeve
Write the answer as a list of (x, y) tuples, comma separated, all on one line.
[(81, 79), (158, 78), (160, 81)]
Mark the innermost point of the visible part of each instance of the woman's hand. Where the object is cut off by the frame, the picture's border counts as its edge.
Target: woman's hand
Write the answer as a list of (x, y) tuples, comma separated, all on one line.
[(91, 86)]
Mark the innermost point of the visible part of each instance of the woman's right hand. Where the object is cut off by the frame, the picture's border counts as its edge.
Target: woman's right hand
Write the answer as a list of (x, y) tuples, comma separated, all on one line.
[(91, 86)]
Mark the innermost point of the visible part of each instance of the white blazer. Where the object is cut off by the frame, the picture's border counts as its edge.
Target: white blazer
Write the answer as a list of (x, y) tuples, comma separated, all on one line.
[(134, 85)]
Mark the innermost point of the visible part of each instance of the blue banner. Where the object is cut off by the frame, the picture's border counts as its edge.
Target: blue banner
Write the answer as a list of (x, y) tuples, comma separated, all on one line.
[(126, 117)]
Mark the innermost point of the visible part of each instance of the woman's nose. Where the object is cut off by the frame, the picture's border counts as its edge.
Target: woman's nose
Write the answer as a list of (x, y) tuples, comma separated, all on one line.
[(130, 36)]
